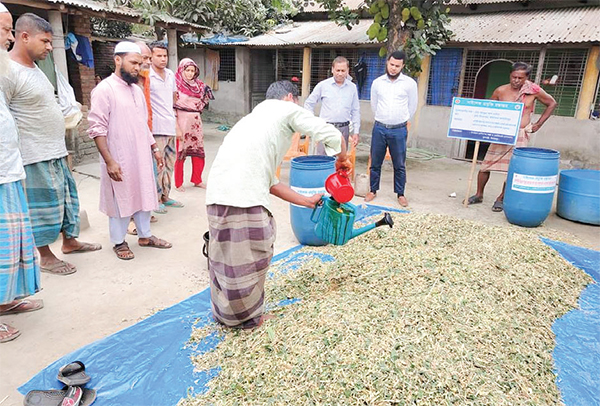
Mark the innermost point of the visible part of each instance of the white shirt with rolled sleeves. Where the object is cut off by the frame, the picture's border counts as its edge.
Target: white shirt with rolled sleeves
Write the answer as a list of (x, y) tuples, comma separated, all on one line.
[(161, 100), (338, 103), (245, 166), (394, 102)]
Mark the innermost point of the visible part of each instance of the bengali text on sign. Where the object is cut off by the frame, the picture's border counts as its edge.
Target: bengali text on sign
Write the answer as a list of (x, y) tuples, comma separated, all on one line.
[(485, 120)]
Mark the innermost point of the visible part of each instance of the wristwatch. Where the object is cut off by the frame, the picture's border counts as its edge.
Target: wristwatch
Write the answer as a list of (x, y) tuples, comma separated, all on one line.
[(155, 150)]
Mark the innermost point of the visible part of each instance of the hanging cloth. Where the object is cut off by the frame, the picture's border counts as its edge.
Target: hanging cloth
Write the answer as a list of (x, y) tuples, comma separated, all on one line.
[(360, 70)]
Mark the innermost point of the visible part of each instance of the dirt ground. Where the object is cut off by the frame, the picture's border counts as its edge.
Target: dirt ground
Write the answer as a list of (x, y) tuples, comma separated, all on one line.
[(108, 294)]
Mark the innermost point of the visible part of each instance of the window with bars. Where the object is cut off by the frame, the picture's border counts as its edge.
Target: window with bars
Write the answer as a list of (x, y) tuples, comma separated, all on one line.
[(476, 59), (568, 66), (444, 76), (320, 65), (289, 64), (227, 65), (322, 59)]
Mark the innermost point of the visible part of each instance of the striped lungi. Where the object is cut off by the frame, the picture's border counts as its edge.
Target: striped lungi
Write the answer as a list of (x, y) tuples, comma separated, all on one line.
[(497, 157), (19, 265), (240, 251), (53, 201)]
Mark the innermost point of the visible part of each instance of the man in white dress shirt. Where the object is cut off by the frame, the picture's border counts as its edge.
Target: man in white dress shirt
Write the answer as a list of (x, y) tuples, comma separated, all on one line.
[(339, 102), (394, 100)]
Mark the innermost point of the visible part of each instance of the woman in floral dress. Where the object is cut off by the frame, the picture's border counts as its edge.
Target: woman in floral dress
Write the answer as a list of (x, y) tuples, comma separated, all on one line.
[(192, 97)]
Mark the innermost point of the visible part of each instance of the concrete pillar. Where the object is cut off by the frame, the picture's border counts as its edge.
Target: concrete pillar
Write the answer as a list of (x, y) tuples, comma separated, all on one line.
[(58, 42), (423, 84), (173, 59), (588, 87), (306, 73)]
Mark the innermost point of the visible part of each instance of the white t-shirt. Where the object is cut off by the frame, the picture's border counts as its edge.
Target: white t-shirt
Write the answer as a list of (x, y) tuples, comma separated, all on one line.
[(41, 124), (11, 164), (245, 166), (161, 100)]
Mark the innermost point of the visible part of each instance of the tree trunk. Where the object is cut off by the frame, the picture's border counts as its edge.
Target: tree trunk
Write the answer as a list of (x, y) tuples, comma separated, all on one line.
[(397, 37)]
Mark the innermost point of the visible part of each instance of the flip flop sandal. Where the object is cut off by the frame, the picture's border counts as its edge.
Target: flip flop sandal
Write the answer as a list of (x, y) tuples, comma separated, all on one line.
[(162, 209), (475, 200), (173, 203), (85, 247), (153, 219), (4, 329), (73, 374), (59, 265), (56, 397), (155, 242), (21, 307), (498, 206), (123, 252), (131, 229), (73, 396)]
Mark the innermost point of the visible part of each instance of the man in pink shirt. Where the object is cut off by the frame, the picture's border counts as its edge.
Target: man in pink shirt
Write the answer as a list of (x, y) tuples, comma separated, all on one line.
[(163, 93), (118, 124)]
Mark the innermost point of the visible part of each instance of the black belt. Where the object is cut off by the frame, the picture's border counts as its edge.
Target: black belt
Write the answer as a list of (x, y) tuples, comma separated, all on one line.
[(339, 125), (391, 126)]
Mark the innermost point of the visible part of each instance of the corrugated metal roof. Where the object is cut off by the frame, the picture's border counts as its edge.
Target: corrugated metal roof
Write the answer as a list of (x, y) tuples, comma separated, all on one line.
[(103, 7), (317, 8), (571, 25), (467, 2), (313, 32)]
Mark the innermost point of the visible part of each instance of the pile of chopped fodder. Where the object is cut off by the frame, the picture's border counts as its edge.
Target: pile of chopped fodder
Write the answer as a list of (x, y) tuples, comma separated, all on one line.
[(436, 311)]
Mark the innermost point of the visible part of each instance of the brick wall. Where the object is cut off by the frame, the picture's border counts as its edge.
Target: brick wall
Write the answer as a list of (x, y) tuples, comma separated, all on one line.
[(103, 58), (82, 80)]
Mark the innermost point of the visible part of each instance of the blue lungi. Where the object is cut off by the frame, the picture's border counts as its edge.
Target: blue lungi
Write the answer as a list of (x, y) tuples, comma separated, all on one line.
[(53, 201), (19, 264)]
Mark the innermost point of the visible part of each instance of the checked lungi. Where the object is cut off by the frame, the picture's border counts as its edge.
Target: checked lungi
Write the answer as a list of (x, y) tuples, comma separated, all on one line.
[(19, 265), (240, 251), (53, 201), (497, 158)]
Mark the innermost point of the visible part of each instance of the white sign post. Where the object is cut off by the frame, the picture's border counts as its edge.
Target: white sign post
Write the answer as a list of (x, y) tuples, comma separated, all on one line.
[(492, 121)]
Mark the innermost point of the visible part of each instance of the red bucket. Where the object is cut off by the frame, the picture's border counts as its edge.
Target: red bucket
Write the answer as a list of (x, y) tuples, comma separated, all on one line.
[(340, 188)]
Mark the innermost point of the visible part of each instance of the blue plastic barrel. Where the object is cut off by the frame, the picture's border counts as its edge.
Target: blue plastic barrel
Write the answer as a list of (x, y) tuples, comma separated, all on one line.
[(530, 186), (307, 177), (579, 195)]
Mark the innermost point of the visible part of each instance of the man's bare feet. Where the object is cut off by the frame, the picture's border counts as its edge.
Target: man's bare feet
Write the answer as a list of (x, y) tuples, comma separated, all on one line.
[(402, 201), (370, 196), (264, 318), (180, 189), (200, 185)]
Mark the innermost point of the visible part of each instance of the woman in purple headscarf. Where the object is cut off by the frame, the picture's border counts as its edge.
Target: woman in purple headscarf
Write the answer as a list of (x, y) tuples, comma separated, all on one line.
[(192, 97)]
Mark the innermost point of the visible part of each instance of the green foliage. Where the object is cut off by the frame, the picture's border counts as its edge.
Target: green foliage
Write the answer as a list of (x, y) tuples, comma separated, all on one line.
[(246, 17), (422, 25), (110, 28)]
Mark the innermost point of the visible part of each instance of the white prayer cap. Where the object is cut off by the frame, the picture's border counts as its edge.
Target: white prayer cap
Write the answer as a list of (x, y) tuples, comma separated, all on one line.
[(126, 47), (3, 9)]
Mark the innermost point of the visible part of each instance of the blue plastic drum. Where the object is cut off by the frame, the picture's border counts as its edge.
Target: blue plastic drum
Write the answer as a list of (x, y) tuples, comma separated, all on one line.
[(530, 186), (307, 177), (579, 196)]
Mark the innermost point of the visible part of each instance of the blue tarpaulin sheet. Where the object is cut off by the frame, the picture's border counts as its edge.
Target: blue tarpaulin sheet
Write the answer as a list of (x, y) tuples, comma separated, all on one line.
[(577, 352), (149, 363)]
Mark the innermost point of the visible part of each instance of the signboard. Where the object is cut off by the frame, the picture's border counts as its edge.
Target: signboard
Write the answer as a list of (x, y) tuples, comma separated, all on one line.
[(485, 120)]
